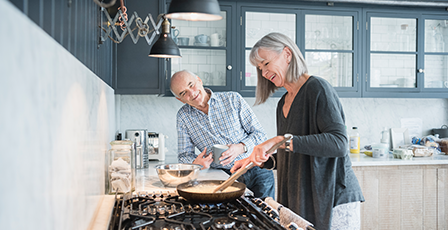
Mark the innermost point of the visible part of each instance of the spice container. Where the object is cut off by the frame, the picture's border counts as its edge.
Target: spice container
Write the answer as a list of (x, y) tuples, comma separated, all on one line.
[(121, 168)]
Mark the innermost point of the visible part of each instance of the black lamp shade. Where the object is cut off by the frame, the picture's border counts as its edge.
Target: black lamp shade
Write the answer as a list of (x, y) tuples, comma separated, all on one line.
[(194, 10), (165, 47)]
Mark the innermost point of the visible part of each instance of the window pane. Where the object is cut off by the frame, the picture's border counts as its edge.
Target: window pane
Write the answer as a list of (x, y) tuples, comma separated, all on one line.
[(188, 31), (251, 72), (328, 32), (259, 24), (392, 70), (436, 35), (393, 34), (209, 65), (436, 71), (337, 68)]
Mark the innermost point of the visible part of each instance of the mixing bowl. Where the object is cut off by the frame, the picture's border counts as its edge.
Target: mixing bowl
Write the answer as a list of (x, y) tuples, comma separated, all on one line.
[(172, 175)]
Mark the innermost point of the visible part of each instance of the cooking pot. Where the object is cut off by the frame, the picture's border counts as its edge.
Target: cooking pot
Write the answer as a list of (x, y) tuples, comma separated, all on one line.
[(201, 197), (443, 131)]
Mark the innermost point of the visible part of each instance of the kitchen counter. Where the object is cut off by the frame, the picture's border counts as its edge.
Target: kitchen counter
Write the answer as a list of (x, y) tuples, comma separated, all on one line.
[(146, 180), (363, 160)]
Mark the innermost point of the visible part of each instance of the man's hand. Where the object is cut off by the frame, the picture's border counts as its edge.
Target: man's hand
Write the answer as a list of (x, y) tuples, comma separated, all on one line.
[(231, 153), (203, 160)]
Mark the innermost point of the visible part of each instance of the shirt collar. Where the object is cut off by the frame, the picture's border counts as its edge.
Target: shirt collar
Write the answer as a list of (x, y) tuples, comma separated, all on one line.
[(212, 95)]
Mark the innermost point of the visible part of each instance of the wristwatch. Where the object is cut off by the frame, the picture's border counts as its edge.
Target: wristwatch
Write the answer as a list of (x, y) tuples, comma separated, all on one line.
[(288, 143), (244, 147)]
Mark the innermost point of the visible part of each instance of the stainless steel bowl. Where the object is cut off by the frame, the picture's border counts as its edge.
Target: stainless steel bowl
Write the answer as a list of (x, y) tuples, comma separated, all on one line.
[(172, 175)]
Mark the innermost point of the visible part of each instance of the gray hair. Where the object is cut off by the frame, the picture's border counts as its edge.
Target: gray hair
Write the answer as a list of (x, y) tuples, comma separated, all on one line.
[(276, 42), (176, 75)]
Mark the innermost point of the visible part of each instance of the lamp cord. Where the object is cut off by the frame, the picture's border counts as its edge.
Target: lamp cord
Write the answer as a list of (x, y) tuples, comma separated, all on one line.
[(105, 5)]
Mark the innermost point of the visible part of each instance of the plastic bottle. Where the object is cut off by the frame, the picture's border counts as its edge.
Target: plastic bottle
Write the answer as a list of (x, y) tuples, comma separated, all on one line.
[(385, 137), (354, 141)]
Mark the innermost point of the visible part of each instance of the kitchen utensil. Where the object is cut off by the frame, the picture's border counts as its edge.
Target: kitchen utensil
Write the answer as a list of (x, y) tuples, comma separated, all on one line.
[(174, 34), (241, 171), (217, 152), (201, 38), (139, 137), (215, 40), (183, 41), (443, 131), (172, 175), (201, 197)]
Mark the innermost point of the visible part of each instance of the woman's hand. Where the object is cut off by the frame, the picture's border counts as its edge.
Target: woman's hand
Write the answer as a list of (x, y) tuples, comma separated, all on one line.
[(204, 161), (230, 154), (258, 156)]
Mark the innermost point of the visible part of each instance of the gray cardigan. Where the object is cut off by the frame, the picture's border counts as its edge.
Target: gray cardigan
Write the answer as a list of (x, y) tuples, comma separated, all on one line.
[(318, 175)]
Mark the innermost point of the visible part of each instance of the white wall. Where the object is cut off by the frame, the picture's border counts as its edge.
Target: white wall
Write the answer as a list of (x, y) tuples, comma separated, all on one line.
[(56, 121), (370, 115)]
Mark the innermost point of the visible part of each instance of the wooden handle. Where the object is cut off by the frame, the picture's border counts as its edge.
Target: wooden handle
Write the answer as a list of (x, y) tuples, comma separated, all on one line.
[(241, 171), (234, 177)]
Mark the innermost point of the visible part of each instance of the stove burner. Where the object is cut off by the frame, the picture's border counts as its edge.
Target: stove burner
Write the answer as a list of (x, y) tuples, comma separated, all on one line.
[(224, 223), (152, 211)]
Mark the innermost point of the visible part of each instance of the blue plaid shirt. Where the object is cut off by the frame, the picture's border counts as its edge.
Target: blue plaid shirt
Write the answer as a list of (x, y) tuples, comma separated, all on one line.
[(230, 120)]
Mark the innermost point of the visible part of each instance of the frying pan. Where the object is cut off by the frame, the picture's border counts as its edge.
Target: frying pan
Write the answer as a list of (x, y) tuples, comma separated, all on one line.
[(209, 197)]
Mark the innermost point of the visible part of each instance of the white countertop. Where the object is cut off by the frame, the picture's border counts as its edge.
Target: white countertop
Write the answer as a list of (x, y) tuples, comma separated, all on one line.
[(363, 160), (148, 181)]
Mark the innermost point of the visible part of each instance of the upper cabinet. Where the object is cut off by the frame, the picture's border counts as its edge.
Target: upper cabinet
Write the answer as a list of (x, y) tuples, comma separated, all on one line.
[(406, 56), (329, 41), (332, 49), (206, 48), (362, 50)]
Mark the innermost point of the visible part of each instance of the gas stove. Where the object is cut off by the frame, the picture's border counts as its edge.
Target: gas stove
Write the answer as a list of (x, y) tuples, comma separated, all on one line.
[(168, 211)]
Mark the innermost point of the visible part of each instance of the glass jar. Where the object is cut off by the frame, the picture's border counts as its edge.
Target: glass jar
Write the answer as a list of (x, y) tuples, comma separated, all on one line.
[(120, 168)]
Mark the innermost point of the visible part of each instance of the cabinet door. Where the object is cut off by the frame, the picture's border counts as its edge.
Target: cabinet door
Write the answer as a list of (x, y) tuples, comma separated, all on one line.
[(392, 57), (331, 48), (436, 54), (205, 50), (259, 22)]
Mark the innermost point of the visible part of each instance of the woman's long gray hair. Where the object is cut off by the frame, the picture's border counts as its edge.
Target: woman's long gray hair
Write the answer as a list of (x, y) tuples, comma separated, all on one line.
[(276, 42)]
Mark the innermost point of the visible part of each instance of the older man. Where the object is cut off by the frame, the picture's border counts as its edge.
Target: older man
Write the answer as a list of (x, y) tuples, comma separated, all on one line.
[(209, 118)]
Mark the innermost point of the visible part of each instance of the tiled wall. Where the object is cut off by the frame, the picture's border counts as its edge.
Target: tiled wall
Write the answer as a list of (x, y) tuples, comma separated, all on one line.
[(56, 121), (370, 115)]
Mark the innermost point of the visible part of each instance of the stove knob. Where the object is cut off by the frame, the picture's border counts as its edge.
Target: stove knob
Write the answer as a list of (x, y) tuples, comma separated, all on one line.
[(293, 226)]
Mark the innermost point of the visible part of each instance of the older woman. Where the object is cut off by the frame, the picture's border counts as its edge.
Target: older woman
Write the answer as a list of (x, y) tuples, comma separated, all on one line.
[(315, 177)]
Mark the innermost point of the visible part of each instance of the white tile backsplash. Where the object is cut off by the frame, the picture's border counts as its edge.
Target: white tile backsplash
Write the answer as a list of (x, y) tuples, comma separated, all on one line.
[(370, 115), (56, 122)]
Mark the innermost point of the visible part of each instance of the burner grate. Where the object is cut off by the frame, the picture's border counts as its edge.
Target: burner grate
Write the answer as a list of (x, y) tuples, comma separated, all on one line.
[(166, 211)]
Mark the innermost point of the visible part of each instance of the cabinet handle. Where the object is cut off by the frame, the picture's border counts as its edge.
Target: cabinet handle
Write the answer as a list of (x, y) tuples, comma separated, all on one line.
[(229, 67), (421, 70)]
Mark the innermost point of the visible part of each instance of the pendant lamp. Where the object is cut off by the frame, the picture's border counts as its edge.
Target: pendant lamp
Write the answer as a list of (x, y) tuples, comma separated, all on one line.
[(165, 47), (194, 10)]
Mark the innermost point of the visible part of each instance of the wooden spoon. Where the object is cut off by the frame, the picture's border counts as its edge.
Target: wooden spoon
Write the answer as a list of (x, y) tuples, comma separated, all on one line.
[(241, 171)]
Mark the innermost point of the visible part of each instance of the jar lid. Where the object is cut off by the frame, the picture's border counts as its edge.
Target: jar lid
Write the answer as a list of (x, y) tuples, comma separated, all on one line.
[(124, 142)]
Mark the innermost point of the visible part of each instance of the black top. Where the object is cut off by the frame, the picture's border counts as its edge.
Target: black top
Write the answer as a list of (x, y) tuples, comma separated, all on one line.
[(318, 175)]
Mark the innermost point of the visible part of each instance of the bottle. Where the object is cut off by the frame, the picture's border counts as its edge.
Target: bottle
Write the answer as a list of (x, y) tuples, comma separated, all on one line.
[(354, 141), (385, 137), (121, 168)]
